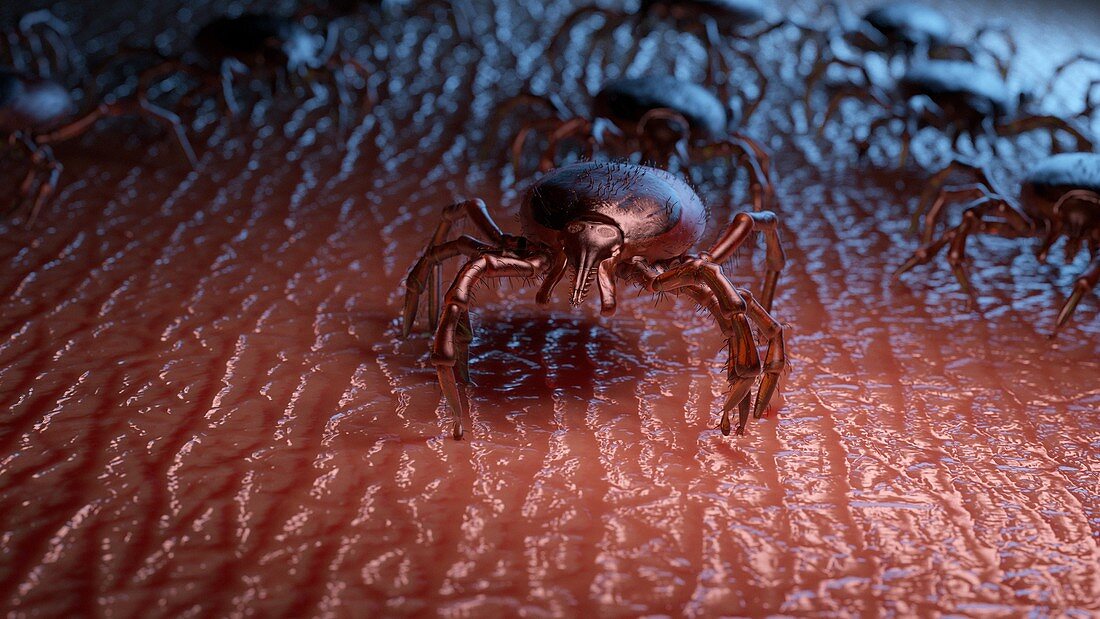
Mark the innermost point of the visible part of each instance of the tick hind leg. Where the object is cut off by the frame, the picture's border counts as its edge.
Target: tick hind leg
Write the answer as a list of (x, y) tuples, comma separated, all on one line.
[(42, 161), (708, 286), (451, 346)]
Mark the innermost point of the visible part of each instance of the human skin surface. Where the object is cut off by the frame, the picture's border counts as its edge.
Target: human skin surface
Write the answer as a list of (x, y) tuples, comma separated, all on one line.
[(206, 410)]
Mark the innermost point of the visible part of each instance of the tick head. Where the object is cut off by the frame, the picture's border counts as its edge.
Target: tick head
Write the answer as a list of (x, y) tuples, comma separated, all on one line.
[(588, 243)]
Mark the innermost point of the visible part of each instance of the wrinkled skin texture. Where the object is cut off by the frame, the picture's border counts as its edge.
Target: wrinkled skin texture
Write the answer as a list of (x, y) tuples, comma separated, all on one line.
[(206, 408)]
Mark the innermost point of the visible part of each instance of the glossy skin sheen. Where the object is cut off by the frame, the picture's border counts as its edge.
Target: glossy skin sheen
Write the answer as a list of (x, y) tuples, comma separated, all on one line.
[(256, 37), (660, 216), (206, 409), (910, 23), (32, 104), (626, 101), (963, 89)]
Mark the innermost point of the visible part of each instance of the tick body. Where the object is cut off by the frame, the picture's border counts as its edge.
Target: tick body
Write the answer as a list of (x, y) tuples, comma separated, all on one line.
[(654, 117), (960, 99), (606, 222), (713, 22), (909, 25), (1058, 198), (38, 110), (270, 45), (627, 101), (902, 33), (31, 103)]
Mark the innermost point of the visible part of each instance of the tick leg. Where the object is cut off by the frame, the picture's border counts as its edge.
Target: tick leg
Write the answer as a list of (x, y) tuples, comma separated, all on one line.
[(742, 226), (1092, 102), (1052, 124), (41, 160), (654, 150), (447, 349), (744, 361), (827, 57), (775, 360), (749, 105), (425, 275), (159, 72), (747, 151), (1085, 283), (870, 94), (1062, 68), (132, 105), (717, 63), (1001, 60), (948, 195), (502, 111), (526, 131), (474, 210), (760, 162), (1011, 222), (934, 192), (229, 68), (570, 128), (57, 37)]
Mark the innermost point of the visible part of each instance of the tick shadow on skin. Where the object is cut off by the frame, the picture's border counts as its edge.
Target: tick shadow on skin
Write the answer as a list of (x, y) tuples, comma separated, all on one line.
[(521, 362), (531, 354)]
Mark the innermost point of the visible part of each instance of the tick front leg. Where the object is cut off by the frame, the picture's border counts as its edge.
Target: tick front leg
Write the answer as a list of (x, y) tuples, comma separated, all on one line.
[(1012, 223), (427, 271), (934, 191), (448, 350), (137, 104), (425, 275), (973, 222), (948, 195)]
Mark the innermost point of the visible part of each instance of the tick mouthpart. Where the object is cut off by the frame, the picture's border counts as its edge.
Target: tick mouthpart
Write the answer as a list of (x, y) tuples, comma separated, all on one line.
[(582, 284), (587, 243)]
